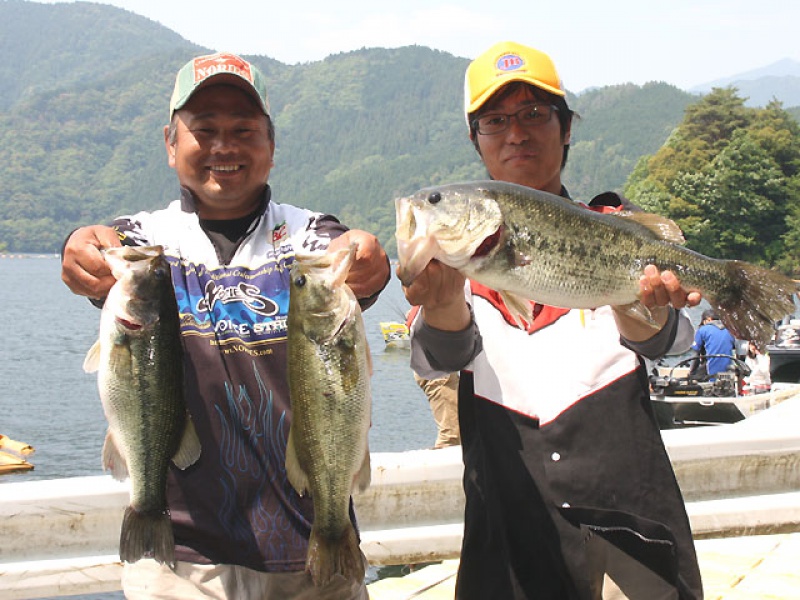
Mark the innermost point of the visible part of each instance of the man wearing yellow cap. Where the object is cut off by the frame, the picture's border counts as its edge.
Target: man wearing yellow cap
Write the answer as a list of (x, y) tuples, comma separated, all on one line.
[(241, 530), (569, 490)]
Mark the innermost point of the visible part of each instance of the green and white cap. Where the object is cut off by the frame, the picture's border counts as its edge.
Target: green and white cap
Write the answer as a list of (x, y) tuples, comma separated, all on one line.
[(214, 69)]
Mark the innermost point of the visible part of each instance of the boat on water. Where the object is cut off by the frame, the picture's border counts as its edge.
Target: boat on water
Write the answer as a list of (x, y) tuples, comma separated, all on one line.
[(784, 351), (681, 401), (12, 455), (395, 335), (784, 348)]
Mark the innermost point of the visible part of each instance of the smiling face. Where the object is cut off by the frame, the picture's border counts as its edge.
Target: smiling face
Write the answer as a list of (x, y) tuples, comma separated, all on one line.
[(529, 156), (221, 151)]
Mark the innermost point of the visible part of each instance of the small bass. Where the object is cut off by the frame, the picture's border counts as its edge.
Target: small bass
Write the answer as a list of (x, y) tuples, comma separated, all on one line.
[(139, 366), (327, 453)]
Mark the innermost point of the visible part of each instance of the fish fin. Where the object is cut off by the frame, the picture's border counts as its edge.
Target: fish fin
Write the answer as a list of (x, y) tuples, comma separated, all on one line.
[(370, 370), (752, 299), (331, 556), (519, 307), (294, 472), (364, 475), (147, 534), (189, 449), (662, 227), (640, 312), (113, 460), (92, 361)]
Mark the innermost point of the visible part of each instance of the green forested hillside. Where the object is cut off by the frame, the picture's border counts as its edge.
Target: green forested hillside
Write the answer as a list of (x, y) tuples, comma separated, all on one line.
[(51, 46), (729, 176), (617, 125), (358, 129), (83, 105)]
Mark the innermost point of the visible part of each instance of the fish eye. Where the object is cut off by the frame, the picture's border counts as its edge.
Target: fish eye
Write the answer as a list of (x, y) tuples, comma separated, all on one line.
[(434, 198), (300, 280)]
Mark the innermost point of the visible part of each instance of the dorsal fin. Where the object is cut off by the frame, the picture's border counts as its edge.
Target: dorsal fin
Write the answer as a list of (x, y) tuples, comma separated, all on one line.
[(662, 227)]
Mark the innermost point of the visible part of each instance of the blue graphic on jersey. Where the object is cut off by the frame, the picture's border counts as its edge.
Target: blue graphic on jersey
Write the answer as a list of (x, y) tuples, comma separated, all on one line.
[(233, 303), (243, 461)]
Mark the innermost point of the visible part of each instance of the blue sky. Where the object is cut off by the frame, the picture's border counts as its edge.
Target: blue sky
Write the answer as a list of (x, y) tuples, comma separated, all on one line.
[(682, 42)]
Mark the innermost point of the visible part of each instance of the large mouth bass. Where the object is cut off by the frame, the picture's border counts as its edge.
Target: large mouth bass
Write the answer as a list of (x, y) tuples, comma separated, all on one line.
[(327, 453), (532, 245), (138, 359)]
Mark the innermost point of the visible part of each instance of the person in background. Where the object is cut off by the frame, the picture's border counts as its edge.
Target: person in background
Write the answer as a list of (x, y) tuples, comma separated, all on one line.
[(442, 394), (241, 530), (759, 379), (570, 493), (713, 338)]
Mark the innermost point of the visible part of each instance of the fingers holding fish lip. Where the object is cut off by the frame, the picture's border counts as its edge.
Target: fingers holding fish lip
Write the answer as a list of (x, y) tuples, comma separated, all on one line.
[(369, 268), (84, 269), (413, 256), (122, 259), (436, 286)]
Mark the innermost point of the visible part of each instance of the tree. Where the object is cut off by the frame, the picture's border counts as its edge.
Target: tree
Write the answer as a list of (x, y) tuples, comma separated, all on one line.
[(728, 176)]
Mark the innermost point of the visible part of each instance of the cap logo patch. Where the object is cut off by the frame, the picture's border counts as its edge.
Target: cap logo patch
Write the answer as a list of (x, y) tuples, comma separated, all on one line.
[(205, 66), (509, 62)]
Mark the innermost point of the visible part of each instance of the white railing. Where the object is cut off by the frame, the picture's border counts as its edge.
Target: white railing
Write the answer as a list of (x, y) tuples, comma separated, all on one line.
[(60, 537)]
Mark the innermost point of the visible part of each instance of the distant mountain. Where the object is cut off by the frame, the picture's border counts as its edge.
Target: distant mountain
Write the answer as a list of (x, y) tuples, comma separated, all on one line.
[(779, 80), (782, 68)]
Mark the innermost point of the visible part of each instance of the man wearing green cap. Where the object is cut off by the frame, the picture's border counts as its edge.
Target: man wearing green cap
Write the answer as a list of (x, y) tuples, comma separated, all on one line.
[(241, 530), (569, 490)]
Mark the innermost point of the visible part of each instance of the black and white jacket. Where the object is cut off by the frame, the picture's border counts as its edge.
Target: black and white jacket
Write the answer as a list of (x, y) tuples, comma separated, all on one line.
[(560, 443)]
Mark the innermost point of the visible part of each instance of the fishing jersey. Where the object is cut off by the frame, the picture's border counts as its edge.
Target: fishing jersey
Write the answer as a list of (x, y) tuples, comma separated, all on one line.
[(236, 505), (559, 443)]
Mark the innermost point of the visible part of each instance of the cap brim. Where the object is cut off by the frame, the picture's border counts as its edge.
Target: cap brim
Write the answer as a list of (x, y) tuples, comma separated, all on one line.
[(223, 79), (502, 81)]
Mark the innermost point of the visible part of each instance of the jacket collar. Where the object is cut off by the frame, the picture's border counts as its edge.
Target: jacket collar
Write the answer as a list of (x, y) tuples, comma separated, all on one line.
[(189, 202)]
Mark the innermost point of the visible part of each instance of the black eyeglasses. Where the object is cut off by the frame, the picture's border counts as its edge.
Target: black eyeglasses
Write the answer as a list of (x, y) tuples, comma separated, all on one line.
[(532, 115)]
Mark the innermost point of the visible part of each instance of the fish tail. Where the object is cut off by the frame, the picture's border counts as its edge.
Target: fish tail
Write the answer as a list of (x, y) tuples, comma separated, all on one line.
[(147, 534), (328, 557), (752, 300)]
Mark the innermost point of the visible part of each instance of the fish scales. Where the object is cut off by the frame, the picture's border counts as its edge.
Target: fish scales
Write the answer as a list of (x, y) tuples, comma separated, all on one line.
[(531, 245), (138, 357), (327, 452), (137, 406), (575, 258)]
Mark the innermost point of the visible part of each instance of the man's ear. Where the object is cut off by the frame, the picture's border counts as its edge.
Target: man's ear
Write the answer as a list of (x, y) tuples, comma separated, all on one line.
[(170, 148), (473, 136)]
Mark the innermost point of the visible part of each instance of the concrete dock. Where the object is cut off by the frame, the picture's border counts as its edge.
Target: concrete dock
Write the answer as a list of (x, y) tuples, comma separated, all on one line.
[(741, 484), (762, 567)]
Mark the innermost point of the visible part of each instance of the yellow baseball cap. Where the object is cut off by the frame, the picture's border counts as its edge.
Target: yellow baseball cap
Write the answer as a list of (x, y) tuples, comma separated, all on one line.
[(506, 62), (221, 67)]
